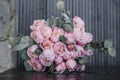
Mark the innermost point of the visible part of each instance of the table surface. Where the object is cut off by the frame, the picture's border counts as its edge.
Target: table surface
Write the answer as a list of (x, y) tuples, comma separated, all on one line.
[(93, 73)]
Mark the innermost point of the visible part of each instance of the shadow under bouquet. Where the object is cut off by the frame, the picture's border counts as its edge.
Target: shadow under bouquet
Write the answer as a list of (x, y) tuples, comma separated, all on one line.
[(59, 44)]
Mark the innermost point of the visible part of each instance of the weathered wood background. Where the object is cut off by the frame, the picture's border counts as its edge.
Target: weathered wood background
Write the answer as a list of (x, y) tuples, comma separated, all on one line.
[(102, 19)]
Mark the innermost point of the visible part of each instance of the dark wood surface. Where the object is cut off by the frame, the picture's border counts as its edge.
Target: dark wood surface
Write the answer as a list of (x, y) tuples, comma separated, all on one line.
[(93, 73)]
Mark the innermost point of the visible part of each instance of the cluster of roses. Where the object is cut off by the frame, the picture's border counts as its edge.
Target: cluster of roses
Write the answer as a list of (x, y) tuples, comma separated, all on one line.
[(55, 51)]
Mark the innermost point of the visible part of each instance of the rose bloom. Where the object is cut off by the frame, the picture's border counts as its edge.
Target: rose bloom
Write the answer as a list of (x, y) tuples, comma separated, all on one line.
[(46, 32), (79, 52), (80, 67), (88, 53), (47, 44), (56, 34), (47, 57), (37, 36), (37, 66), (70, 37), (78, 21), (71, 64), (78, 32), (58, 59), (37, 24), (85, 38), (68, 55), (31, 50), (59, 48), (60, 67)]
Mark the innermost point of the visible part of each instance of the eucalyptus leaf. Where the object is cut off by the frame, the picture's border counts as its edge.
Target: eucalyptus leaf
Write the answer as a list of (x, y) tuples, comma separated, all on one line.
[(63, 39), (68, 13), (25, 42), (3, 38), (27, 66), (112, 52), (83, 60), (48, 22), (67, 27), (108, 43), (24, 55), (38, 51), (65, 16)]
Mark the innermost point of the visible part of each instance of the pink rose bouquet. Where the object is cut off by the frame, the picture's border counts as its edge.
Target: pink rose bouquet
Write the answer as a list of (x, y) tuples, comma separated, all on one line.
[(58, 45)]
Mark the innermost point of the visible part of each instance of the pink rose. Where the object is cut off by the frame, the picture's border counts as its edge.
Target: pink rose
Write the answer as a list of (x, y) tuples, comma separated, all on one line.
[(78, 20), (47, 57), (70, 37), (79, 52), (67, 55), (78, 32), (88, 53), (37, 24), (36, 35), (71, 64), (37, 66), (56, 34), (86, 38), (71, 46), (58, 60), (59, 48), (80, 67), (31, 50), (46, 32), (47, 44), (60, 67)]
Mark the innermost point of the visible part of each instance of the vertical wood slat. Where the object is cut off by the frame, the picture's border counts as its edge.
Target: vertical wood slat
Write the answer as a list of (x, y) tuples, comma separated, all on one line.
[(102, 19)]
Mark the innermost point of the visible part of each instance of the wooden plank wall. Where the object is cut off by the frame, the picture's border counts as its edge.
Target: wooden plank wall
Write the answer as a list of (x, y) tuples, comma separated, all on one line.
[(102, 19)]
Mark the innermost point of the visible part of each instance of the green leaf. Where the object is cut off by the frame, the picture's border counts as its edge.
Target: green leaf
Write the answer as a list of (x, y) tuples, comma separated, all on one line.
[(67, 27), (65, 16), (112, 52), (48, 22), (27, 66), (24, 55), (83, 60), (38, 51), (3, 38), (56, 23), (108, 43), (24, 43), (63, 39), (68, 13)]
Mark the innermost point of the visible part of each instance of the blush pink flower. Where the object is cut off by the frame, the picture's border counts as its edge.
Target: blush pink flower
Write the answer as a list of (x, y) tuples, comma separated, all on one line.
[(71, 46), (37, 24), (86, 38), (58, 59), (37, 36), (71, 64), (60, 67), (78, 32), (80, 67), (47, 44), (46, 32), (70, 37), (88, 53), (68, 55), (78, 20), (59, 48), (47, 57), (56, 34), (31, 50), (37, 66), (79, 52)]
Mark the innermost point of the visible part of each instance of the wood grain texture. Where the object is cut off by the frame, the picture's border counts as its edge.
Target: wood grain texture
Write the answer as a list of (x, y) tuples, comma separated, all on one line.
[(102, 19)]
